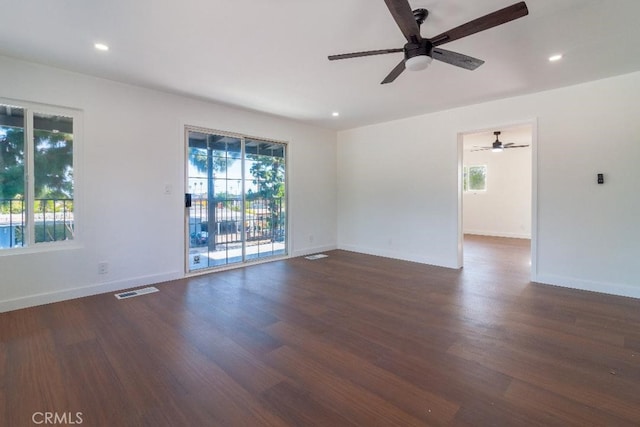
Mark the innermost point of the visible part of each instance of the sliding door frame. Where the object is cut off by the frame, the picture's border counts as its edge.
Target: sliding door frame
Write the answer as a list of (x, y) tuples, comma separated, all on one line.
[(243, 188)]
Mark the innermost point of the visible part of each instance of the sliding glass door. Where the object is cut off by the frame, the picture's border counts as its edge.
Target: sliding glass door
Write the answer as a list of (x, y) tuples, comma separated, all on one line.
[(236, 199)]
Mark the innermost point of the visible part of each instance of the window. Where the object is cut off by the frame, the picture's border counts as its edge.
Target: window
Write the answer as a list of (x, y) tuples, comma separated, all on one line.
[(475, 178), (36, 174)]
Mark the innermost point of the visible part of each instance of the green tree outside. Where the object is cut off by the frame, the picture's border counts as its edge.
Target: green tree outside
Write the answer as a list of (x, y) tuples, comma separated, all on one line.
[(53, 164), (269, 177), (11, 163)]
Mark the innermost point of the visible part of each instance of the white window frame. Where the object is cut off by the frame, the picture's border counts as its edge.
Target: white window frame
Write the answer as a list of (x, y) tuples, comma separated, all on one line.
[(29, 108)]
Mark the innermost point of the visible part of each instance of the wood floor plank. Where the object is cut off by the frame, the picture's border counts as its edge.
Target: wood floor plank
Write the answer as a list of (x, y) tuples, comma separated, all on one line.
[(451, 377), (350, 339), (70, 323), (562, 409), (497, 411), (247, 371), (19, 323), (34, 380), (419, 403), (296, 405), (218, 345), (146, 382), (3, 363), (581, 351), (4, 412), (565, 378), (356, 404), (85, 363), (3, 384), (196, 384)]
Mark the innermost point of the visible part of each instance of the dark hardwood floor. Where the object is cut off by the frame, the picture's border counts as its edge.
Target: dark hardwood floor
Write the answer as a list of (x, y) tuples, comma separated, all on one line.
[(349, 340)]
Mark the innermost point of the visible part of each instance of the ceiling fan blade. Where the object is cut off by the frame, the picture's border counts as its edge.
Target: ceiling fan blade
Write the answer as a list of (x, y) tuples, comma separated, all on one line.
[(508, 144), (367, 53), (457, 59), (403, 15), (491, 20), (483, 149), (516, 146), (394, 73)]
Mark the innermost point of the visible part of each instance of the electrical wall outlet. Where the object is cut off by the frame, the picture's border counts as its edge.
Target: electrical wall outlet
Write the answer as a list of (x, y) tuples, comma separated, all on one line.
[(103, 267)]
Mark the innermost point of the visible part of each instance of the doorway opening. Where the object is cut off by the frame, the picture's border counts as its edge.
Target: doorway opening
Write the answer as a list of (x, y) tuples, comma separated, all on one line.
[(497, 194)]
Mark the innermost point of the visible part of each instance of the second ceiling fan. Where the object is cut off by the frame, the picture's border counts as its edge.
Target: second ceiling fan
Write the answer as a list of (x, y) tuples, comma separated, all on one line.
[(498, 146), (419, 51)]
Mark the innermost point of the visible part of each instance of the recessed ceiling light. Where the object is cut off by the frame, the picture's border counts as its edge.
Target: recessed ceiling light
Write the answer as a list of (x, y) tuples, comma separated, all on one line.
[(101, 46), (554, 58), (335, 114)]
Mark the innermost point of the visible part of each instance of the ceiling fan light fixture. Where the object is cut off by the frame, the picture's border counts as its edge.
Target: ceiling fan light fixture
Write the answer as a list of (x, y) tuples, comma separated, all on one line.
[(497, 150), (418, 62)]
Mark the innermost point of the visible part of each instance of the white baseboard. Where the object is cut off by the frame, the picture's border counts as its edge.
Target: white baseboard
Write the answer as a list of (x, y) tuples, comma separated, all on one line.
[(404, 256), (623, 290), (314, 250), (498, 234), (85, 291)]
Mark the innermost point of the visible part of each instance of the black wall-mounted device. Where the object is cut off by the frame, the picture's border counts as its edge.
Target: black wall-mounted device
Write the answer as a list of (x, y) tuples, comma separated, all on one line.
[(600, 178), (187, 200)]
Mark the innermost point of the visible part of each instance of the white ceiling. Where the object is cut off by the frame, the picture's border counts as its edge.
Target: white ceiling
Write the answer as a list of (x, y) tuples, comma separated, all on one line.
[(271, 56)]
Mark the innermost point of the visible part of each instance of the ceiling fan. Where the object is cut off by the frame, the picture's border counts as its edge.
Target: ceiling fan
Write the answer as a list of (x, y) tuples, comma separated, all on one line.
[(419, 52), (499, 146)]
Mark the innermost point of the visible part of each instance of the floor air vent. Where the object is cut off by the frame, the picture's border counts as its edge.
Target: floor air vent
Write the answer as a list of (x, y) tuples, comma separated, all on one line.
[(316, 256), (137, 292)]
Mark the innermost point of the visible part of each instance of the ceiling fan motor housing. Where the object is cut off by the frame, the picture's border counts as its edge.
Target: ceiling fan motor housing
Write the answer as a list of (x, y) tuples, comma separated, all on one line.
[(497, 145), (421, 48)]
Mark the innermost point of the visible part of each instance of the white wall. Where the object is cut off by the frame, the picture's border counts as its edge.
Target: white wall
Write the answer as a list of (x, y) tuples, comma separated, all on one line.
[(133, 146), (398, 183), (504, 209)]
